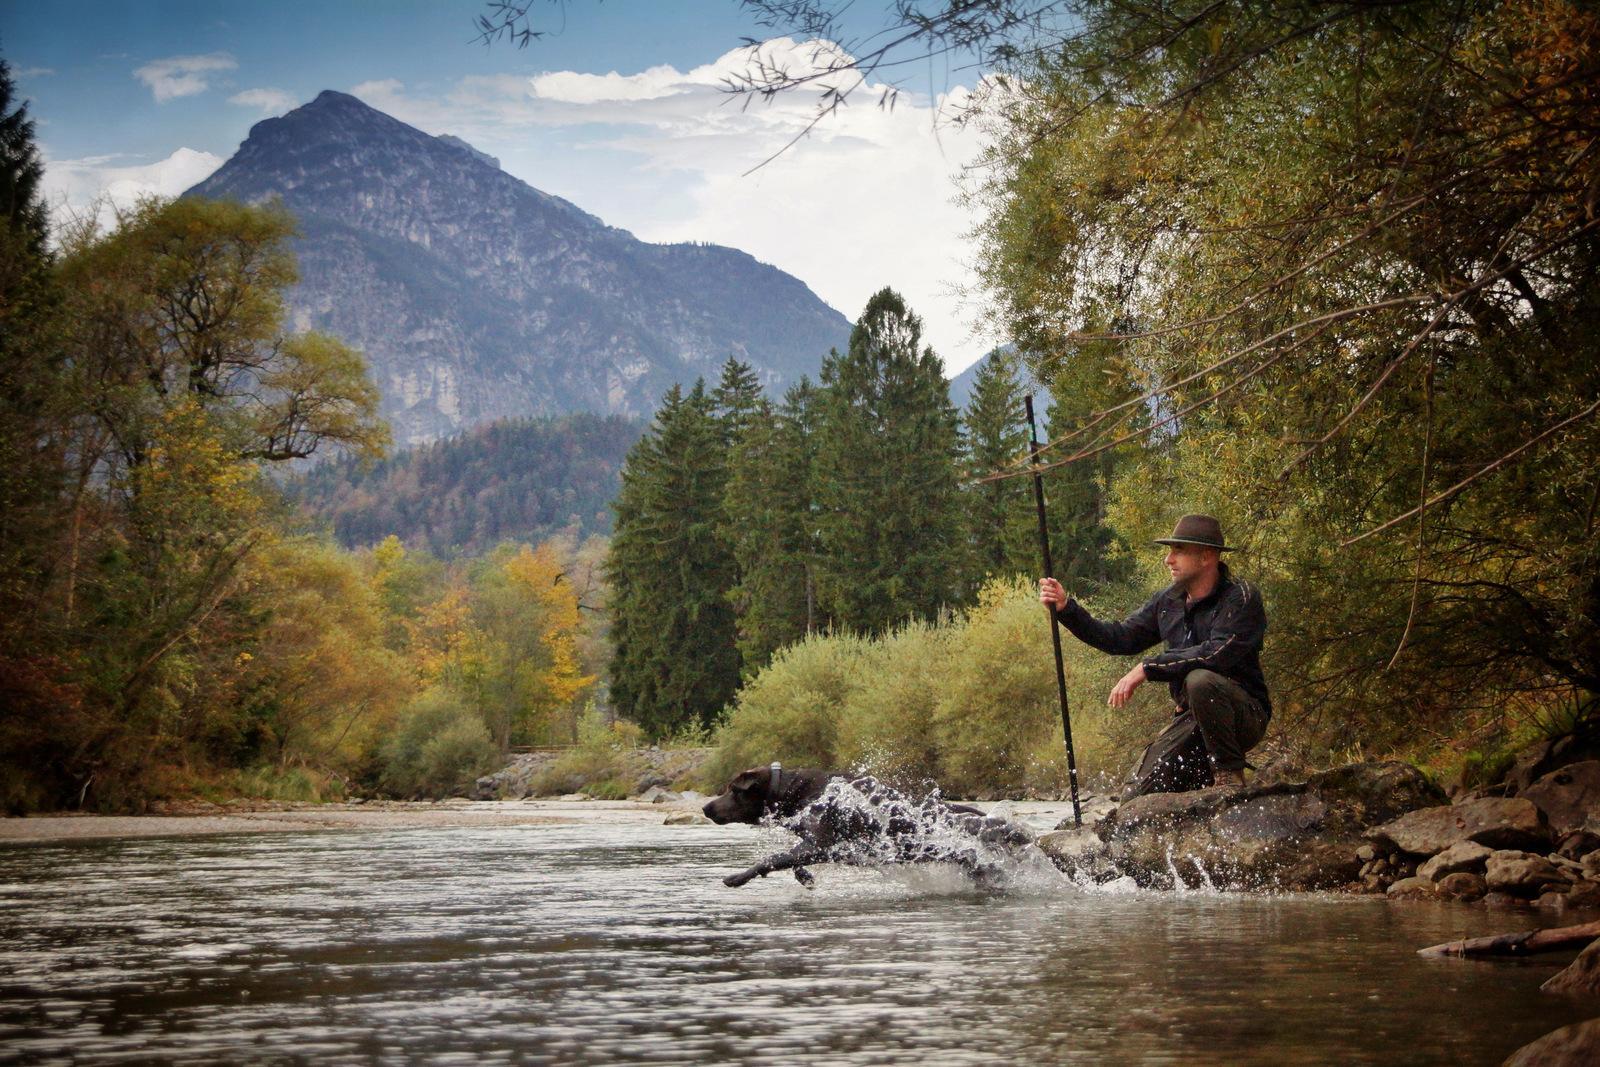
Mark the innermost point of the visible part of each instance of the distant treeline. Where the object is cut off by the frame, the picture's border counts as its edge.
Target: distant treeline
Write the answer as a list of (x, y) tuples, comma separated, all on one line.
[(521, 479)]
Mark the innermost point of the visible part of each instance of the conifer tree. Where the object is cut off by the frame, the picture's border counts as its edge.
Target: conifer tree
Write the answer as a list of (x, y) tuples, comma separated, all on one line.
[(674, 660), (1004, 528), (771, 520), (1080, 539), (889, 519), (737, 400)]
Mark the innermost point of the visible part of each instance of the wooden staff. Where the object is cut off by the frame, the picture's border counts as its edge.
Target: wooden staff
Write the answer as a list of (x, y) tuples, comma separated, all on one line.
[(1055, 624)]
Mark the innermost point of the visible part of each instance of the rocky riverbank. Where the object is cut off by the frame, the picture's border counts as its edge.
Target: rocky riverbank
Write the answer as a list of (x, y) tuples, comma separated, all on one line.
[(1364, 828)]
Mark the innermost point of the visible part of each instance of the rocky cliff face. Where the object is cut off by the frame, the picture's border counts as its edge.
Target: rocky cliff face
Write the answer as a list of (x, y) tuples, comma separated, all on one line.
[(476, 296)]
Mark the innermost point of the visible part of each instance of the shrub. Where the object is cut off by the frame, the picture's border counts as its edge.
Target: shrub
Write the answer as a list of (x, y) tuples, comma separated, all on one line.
[(886, 722), (438, 747), (790, 711), (969, 702)]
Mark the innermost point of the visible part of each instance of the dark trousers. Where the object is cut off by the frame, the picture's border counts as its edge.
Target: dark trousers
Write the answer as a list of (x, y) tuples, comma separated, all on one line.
[(1221, 723)]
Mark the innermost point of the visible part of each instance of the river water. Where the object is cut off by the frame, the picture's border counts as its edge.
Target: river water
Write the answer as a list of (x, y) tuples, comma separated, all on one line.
[(611, 939)]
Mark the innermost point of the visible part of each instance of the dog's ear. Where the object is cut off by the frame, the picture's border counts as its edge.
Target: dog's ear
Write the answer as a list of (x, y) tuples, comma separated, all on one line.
[(742, 782)]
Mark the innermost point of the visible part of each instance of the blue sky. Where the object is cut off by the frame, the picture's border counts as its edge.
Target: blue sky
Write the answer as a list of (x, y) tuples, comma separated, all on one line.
[(617, 109)]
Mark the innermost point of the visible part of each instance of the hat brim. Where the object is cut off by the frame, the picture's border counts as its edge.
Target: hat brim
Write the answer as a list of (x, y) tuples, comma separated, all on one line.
[(1186, 541)]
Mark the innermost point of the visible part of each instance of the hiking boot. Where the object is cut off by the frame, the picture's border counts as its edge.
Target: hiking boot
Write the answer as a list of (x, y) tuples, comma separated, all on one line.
[(1222, 779)]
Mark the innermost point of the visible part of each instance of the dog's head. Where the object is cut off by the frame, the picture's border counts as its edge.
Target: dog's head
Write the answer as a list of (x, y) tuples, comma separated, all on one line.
[(745, 799)]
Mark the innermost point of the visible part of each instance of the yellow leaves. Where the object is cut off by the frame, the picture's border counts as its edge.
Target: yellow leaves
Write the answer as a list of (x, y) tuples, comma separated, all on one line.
[(389, 554), (537, 574)]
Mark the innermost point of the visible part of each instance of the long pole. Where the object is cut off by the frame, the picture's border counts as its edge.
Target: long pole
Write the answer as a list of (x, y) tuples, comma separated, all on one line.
[(1055, 624)]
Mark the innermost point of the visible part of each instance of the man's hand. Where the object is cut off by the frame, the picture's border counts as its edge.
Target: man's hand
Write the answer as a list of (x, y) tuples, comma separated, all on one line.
[(1051, 594), (1124, 689)]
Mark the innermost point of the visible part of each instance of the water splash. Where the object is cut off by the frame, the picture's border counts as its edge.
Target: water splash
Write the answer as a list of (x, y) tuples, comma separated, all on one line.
[(861, 822)]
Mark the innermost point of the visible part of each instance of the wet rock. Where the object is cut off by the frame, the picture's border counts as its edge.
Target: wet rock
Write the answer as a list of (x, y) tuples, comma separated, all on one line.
[(1582, 975), (1411, 888), (1567, 796), (1551, 900), (1584, 895), (1522, 873), (1322, 865), (656, 795), (1498, 822), (1462, 885), (1366, 853), (1461, 856), (686, 818), (1236, 840), (1577, 1045)]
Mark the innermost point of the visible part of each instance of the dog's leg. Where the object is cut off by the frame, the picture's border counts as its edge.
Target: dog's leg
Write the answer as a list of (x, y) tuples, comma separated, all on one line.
[(805, 878), (798, 856)]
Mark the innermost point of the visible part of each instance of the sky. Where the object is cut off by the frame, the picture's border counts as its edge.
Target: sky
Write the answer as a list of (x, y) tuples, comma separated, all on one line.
[(619, 108)]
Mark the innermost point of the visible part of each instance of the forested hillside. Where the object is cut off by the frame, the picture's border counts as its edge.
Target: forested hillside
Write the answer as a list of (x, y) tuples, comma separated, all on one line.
[(515, 479)]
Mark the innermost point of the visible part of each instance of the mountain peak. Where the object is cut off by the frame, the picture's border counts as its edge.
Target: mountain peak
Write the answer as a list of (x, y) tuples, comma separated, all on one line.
[(476, 296)]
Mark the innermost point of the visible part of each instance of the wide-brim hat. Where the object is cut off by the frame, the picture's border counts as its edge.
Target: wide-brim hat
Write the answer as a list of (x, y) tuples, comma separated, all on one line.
[(1200, 530)]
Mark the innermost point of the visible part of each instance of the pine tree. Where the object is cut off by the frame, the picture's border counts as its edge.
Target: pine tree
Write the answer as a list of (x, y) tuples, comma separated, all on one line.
[(20, 169), (1004, 527), (737, 400), (889, 512), (1080, 540), (674, 659), (771, 513)]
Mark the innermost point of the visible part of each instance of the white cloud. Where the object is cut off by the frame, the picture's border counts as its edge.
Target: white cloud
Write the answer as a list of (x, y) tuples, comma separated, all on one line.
[(34, 72), (178, 76), (266, 101), (867, 199), (78, 185)]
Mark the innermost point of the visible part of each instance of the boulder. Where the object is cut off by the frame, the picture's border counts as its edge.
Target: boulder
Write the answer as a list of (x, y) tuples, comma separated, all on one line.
[(1521, 873), (1461, 856), (1167, 810), (1243, 839), (1411, 888), (656, 795), (1582, 975), (686, 818), (1498, 822), (1363, 795), (1567, 796), (1542, 757), (1578, 844), (1462, 885), (1577, 1045)]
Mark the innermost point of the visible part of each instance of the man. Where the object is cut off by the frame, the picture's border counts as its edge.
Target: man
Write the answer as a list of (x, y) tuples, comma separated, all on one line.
[(1213, 625)]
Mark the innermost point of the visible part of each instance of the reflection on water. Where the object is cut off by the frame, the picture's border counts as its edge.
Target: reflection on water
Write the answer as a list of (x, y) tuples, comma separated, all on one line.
[(616, 942)]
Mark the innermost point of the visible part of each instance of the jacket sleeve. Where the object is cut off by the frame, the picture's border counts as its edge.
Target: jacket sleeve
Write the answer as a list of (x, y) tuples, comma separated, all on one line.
[(1236, 631), (1134, 634)]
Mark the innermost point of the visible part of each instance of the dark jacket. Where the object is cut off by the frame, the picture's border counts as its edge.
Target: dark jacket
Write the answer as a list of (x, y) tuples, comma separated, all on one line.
[(1221, 633)]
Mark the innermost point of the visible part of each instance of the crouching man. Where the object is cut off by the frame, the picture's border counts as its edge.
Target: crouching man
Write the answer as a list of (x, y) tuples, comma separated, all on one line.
[(1213, 626)]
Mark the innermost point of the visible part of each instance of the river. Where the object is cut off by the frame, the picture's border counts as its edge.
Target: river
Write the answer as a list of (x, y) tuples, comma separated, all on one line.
[(610, 939)]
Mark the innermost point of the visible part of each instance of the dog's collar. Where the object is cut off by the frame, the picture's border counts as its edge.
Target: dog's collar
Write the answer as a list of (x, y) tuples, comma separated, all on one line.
[(774, 790)]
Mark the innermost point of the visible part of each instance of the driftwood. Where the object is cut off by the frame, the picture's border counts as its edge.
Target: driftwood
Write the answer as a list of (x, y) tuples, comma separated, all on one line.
[(1523, 943)]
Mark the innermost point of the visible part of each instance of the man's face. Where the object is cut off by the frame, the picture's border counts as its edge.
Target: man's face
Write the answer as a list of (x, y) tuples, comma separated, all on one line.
[(1187, 562)]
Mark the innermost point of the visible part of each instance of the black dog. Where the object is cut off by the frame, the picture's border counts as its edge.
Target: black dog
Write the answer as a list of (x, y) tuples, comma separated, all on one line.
[(859, 820)]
